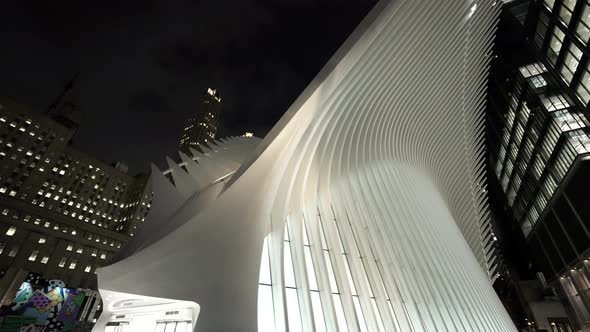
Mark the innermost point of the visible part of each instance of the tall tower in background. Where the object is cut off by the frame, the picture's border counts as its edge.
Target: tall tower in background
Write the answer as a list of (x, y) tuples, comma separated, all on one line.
[(202, 127)]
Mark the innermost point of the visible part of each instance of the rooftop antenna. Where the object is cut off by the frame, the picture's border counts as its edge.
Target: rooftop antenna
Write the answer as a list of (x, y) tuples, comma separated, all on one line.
[(53, 107)]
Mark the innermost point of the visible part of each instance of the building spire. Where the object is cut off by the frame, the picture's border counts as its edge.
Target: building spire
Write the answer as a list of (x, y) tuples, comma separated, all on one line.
[(63, 109), (54, 106)]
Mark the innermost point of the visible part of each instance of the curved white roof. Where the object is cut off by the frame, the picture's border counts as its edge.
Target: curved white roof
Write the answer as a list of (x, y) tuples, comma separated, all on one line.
[(377, 169)]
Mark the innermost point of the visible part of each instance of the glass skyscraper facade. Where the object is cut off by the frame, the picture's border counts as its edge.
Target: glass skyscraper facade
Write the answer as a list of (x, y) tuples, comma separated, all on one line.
[(561, 34), (539, 147)]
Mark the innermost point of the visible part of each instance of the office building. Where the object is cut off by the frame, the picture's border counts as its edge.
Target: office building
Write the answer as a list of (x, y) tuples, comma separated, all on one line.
[(539, 146), (543, 146), (363, 209), (560, 32), (63, 214), (202, 127)]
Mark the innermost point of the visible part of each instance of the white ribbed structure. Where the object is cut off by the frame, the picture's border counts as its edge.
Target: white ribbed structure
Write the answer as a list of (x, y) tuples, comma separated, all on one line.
[(196, 181), (377, 169)]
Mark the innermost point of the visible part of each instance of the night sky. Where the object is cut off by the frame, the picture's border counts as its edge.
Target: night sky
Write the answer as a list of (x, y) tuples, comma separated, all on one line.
[(144, 64)]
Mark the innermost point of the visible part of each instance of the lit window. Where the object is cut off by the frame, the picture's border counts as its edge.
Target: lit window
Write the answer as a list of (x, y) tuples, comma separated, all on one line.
[(583, 29), (103, 256), (569, 121), (73, 264), (265, 308), (554, 103), (570, 63), (42, 240), (33, 256), (11, 231), (70, 247), (533, 69), (44, 260), (62, 262), (583, 89), (565, 12), (538, 81), (79, 251), (88, 268), (555, 44), (94, 252), (580, 140)]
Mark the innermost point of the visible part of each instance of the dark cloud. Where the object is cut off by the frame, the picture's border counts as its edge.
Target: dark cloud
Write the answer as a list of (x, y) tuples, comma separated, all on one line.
[(144, 64)]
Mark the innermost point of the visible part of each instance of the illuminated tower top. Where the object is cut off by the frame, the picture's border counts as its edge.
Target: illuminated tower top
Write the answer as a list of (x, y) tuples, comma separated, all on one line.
[(202, 126)]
